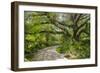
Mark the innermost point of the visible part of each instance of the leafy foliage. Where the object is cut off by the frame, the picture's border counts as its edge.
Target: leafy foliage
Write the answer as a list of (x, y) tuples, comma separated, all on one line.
[(70, 31)]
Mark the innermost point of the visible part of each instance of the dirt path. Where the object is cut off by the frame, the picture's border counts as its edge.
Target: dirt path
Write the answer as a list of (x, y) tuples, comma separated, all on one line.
[(48, 53)]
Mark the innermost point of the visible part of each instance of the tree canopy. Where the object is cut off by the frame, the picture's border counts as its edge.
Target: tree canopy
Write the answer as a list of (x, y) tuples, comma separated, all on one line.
[(70, 31)]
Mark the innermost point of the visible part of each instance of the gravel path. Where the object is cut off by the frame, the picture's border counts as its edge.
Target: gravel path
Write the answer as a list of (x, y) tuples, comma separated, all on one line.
[(48, 53)]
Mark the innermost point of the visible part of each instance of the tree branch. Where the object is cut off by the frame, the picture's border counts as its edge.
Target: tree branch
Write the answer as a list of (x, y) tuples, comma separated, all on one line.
[(83, 24), (78, 18)]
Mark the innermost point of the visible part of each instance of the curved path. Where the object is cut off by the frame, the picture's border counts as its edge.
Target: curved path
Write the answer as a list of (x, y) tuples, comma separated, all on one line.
[(48, 53)]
